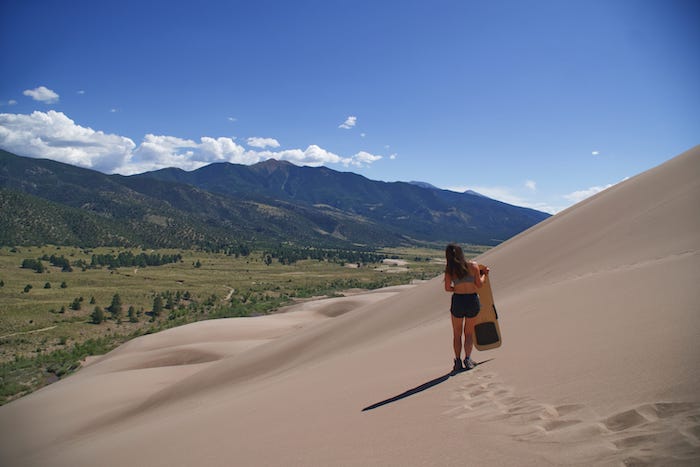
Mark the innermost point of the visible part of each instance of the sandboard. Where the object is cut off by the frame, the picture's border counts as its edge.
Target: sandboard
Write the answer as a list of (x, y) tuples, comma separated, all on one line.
[(487, 334)]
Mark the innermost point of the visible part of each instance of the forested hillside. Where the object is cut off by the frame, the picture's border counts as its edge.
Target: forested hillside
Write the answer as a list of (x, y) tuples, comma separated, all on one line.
[(223, 205)]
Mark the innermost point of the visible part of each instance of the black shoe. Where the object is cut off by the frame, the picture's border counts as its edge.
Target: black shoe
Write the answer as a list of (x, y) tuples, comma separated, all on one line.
[(469, 363), (458, 366)]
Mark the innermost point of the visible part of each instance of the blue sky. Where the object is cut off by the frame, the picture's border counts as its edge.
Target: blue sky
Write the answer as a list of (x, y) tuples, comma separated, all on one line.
[(537, 103)]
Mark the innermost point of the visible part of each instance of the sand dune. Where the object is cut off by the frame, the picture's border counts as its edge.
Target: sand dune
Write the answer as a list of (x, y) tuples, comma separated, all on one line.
[(600, 312)]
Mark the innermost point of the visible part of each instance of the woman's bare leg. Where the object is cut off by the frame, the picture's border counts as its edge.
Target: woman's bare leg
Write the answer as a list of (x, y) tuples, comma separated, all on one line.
[(457, 336), (468, 336)]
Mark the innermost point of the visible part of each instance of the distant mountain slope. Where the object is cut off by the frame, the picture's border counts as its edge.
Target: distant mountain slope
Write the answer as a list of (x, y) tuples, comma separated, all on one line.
[(131, 211), (27, 219), (423, 185), (416, 211), (223, 204)]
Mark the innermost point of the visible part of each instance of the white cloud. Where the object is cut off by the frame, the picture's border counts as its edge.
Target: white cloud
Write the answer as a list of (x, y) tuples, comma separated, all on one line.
[(578, 196), (12, 102), (81, 92), (531, 185), (393, 156), (53, 135), (232, 119), (156, 152), (113, 111), (510, 196), (159, 151), (363, 157), (263, 142), (506, 195), (349, 122), (313, 156), (363, 134), (595, 153), (496, 192), (225, 149), (42, 94)]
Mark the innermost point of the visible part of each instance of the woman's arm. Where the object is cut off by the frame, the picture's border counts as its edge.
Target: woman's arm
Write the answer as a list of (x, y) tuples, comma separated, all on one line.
[(448, 283), (479, 278)]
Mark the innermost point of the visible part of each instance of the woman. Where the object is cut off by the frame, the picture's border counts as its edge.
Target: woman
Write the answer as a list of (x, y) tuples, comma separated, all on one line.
[(463, 279)]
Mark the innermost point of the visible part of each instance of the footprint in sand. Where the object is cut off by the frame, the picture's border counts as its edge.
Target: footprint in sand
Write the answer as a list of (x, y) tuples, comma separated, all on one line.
[(568, 408), (659, 433), (553, 425), (482, 396), (667, 435), (624, 420)]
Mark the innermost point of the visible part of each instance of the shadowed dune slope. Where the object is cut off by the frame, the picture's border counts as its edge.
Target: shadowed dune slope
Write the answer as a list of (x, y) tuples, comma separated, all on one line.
[(600, 313)]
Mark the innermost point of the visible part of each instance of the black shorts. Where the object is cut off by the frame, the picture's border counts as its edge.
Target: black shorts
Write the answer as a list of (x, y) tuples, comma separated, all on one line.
[(465, 305)]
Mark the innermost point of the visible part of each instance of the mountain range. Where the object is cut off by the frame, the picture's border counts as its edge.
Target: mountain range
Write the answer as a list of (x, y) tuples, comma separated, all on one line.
[(224, 204)]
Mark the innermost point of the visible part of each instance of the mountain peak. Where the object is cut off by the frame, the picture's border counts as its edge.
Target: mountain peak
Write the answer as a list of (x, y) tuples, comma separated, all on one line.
[(271, 165)]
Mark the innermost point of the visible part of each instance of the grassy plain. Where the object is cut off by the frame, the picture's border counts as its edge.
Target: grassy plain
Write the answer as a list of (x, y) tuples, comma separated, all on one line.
[(43, 338)]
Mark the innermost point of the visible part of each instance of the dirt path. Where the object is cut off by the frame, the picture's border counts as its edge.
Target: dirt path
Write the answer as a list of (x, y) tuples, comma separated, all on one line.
[(27, 332)]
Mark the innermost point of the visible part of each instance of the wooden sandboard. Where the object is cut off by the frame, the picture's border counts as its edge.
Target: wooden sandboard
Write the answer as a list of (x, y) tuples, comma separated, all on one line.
[(487, 334)]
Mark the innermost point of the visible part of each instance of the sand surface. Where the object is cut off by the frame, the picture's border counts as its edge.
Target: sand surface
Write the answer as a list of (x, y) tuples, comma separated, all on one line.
[(599, 308)]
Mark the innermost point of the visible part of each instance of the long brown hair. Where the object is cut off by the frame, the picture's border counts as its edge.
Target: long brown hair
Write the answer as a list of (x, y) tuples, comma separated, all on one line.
[(456, 263)]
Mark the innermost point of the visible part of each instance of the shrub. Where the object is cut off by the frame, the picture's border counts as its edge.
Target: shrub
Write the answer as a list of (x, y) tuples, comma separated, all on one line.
[(97, 315), (116, 307), (132, 315), (157, 305)]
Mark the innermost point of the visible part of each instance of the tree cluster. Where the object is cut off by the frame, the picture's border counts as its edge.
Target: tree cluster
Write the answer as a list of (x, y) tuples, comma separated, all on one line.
[(234, 250), (59, 261), (290, 254), (34, 264), (128, 259)]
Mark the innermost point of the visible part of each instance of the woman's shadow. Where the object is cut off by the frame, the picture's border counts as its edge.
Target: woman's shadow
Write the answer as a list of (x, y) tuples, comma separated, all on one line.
[(421, 388)]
